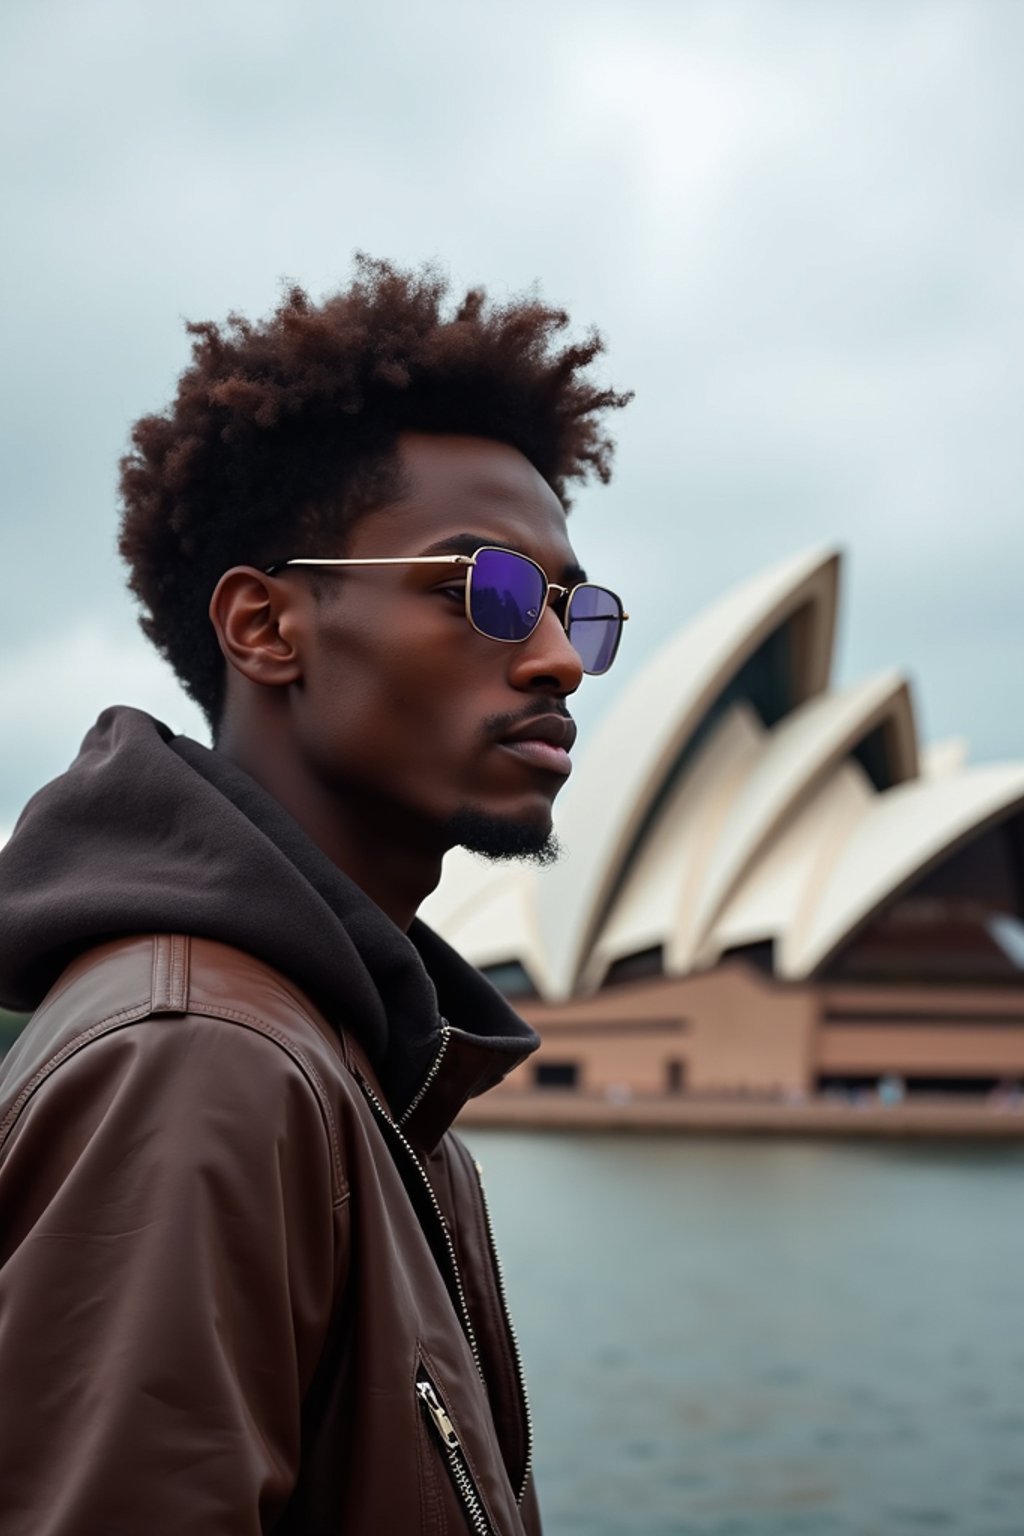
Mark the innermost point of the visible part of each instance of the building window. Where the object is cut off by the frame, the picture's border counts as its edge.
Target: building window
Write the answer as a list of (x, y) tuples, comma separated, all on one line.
[(760, 956), (878, 754), (556, 1074), (675, 1076), (857, 1085), (511, 979), (636, 967)]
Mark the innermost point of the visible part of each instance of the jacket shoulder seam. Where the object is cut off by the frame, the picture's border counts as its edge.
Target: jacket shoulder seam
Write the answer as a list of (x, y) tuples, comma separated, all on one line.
[(260, 1026), (144, 1010), (69, 1048)]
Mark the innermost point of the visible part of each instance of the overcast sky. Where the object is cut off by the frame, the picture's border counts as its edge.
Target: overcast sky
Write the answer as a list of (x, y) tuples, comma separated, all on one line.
[(799, 224)]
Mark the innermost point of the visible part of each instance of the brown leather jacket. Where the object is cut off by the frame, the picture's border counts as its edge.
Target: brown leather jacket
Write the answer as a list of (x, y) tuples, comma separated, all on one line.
[(235, 1296)]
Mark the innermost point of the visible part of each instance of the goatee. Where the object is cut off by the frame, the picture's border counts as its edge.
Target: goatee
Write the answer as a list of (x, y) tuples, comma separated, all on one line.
[(496, 837)]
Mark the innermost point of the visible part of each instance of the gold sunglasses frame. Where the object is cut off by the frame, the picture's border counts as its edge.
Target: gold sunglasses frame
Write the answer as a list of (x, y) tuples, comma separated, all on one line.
[(470, 562)]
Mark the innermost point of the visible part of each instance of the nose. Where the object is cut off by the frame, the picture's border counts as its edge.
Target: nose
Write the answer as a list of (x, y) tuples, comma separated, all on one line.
[(546, 663)]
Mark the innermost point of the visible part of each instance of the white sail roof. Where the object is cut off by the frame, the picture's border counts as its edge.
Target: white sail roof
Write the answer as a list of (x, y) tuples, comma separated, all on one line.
[(633, 753), (899, 835), (795, 758)]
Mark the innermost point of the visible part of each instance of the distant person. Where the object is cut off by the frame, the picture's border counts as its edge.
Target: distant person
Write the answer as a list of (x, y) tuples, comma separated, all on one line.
[(246, 1275)]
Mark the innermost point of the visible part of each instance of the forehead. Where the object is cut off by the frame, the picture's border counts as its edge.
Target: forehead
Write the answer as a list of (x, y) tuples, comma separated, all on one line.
[(467, 485)]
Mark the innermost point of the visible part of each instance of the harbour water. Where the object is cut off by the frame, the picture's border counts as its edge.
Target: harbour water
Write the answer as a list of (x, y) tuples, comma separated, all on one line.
[(767, 1338)]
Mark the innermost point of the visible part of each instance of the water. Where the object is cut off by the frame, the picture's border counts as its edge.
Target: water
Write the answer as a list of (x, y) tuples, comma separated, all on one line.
[(760, 1338)]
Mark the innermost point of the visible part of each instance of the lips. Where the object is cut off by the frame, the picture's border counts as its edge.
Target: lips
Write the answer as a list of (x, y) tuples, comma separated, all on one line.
[(556, 730), (544, 742)]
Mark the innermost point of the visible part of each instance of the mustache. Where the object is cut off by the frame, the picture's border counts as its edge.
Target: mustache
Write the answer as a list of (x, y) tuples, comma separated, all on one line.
[(498, 726)]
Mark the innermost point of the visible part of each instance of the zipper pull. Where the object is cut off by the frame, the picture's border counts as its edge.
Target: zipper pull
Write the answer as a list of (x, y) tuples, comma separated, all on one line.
[(433, 1405)]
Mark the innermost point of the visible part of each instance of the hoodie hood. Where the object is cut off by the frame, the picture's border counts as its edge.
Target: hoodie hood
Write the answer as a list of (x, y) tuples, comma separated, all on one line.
[(151, 832)]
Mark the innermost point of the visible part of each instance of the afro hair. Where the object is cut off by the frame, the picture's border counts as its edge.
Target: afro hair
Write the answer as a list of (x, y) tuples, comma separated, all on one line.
[(284, 430)]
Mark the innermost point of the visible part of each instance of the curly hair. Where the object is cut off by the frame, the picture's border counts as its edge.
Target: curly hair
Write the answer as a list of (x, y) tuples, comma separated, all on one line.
[(285, 430)]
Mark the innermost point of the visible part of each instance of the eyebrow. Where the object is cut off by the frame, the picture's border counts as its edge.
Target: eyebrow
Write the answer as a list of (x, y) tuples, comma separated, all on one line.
[(469, 543)]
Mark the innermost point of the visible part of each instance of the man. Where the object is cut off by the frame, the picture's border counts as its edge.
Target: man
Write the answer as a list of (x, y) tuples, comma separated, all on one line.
[(247, 1282)]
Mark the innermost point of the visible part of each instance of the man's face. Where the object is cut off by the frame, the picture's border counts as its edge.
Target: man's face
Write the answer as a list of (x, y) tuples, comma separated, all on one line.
[(405, 713)]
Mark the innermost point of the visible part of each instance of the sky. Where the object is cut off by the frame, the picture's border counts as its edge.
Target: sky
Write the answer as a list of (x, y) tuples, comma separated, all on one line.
[(799, 227)]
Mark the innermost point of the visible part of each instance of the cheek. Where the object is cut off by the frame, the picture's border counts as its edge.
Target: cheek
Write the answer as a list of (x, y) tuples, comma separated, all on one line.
[(375, 700)]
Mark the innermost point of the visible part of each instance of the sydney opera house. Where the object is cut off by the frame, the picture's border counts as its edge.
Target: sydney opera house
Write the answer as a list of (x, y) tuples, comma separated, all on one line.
[(771, 889)]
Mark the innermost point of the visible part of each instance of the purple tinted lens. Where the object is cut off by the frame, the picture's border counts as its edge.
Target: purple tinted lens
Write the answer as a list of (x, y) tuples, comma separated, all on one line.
[(594, 626), (506, 595)]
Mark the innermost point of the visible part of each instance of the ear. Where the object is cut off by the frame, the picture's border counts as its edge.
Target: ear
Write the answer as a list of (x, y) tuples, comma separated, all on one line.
[(256, 623)]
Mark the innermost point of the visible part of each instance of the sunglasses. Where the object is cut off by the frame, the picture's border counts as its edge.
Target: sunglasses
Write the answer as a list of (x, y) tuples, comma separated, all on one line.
[(506, 594)]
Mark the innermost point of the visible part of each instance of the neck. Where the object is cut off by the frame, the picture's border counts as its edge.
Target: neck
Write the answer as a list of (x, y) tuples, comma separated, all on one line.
[(392, 863)]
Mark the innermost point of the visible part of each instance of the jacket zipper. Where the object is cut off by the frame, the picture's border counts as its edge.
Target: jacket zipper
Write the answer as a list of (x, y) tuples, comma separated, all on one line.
[(435, 1068), (467, 1324), (451, 1445), (516, 1355)]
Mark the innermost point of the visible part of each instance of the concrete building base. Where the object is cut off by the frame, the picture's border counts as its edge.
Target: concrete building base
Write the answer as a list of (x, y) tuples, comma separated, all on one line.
[(552, 1110)]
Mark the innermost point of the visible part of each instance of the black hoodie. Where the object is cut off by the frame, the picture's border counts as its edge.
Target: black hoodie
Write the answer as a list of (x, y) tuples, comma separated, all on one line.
[(151, 832)]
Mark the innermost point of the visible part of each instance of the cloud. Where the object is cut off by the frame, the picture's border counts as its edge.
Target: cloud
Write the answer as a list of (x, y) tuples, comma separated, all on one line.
[(801, 229), (53, 688)]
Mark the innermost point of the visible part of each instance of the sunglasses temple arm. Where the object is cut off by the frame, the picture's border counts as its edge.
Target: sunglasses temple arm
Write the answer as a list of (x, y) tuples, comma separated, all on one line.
[(279, 565)]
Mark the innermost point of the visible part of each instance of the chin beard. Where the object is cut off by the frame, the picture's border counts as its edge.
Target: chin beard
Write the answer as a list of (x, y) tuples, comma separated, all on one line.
[(496, 837)]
